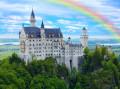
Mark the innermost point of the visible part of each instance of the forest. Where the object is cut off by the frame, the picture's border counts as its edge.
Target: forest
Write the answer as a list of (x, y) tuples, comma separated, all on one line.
[(100, 70)]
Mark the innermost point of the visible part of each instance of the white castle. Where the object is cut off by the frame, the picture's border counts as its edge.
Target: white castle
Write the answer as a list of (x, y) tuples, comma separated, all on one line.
[(48, 42)]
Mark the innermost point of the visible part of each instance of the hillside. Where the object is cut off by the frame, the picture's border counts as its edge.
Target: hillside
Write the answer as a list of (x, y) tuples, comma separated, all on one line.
[(100, 70)]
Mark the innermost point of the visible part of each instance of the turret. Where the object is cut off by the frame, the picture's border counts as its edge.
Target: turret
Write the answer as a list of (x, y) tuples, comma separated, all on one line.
[(109, 49), (32, 20), (84, 31), (23, 26), (42, 25), (42, 30), (69, 40), (84, 38)]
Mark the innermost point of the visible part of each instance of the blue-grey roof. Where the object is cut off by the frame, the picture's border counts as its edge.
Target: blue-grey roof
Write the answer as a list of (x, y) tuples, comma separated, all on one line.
[(42, 25), (75, 45), (84, 28), (32, 14), (35, 31)]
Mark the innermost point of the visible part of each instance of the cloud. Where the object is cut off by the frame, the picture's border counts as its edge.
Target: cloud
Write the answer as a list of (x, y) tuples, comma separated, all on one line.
[(72, 27), (9, 36), (15, 17), (13, 28), (61, 21), (70, 35), (38, 18), (14, 7), (47, 26), (1, 14), (102, 37), (49, 22), (10, 30), (14, 21), (27, 17), (80, 24)]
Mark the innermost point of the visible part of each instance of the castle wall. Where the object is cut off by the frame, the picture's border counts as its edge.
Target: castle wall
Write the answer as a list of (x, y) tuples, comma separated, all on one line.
[(46, 45)]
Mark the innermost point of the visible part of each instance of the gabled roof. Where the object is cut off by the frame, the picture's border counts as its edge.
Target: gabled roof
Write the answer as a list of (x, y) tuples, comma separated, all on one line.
[(75, 45), (35, 31)]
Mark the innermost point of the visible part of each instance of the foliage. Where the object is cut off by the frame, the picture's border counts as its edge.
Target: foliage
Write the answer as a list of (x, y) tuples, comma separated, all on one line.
[(86, 52), (100, 70), (38, 74)]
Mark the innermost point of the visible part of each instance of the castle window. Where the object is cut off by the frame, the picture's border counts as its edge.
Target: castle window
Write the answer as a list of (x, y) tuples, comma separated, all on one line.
[(29, 40), (30, 44), (33, 40)]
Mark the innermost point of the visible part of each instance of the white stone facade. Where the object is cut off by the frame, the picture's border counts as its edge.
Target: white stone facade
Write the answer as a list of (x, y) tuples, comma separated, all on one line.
[(39, 43)]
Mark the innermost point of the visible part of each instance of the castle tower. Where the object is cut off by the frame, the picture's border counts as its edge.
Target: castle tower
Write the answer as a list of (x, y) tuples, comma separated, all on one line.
[(84, 38), (110, 49), (69, 40), (32, 20), (43, 40), (42, 28)]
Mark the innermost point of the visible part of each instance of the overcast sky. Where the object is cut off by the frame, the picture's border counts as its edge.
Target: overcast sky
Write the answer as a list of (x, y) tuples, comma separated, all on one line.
[(13, 13)]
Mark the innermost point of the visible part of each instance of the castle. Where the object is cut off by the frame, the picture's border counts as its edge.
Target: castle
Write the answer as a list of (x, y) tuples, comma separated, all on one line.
[(39, 43)]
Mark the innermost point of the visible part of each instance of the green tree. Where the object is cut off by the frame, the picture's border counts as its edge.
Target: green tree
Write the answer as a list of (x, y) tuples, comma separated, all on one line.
[(86, 52), (74, 71), (78, 86)]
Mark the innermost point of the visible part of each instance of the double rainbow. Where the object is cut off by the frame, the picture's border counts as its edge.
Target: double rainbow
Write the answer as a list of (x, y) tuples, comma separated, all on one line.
[(72, 4)]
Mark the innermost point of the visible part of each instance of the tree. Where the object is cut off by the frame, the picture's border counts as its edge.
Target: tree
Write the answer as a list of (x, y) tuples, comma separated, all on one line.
[(86, 52), (74, 71), (78, 86), (16, 59), (63, 71), (103, 52)]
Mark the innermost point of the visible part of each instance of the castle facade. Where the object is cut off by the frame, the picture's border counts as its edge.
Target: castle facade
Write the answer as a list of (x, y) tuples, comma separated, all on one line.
[(39, 43)]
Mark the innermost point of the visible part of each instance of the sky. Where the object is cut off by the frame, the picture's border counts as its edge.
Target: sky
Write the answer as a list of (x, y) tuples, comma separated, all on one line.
[(13, 13)]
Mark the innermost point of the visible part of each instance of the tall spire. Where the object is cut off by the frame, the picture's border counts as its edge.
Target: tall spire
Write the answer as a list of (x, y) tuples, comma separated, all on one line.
[(32, 14), (42, 25), (23, 25), (32, 20)]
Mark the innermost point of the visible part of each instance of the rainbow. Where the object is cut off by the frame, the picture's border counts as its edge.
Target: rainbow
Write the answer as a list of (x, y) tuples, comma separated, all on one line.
[(89, 13)]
